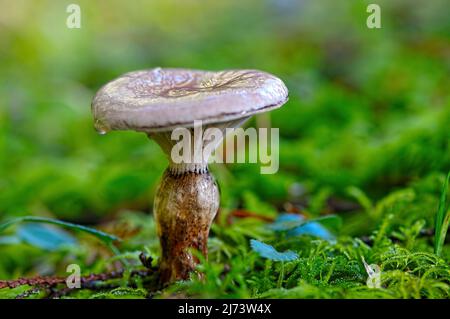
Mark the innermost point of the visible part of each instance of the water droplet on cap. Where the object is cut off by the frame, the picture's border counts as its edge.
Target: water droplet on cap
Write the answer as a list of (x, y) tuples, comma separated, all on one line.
[(101, 127)]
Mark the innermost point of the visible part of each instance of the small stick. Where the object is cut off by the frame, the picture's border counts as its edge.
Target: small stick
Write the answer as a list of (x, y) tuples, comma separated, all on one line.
[(51, 281)]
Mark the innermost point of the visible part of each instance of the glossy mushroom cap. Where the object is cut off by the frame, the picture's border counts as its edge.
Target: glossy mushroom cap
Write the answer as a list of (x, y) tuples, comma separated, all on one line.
[(162, 99)]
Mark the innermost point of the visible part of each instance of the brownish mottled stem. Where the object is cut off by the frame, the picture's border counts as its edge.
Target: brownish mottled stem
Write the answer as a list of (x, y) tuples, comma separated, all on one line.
[(184, 208), (186, 201)]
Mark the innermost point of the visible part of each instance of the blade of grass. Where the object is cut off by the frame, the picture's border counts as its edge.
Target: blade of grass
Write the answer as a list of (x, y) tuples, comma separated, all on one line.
[(442, 219), (331, 221), (108, 239)]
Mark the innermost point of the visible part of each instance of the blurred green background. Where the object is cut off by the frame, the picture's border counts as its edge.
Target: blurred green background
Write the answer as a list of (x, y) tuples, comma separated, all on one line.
[(368, 108)]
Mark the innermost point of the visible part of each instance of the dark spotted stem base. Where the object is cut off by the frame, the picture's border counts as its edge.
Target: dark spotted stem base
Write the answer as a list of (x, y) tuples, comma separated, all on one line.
[(184, 208)]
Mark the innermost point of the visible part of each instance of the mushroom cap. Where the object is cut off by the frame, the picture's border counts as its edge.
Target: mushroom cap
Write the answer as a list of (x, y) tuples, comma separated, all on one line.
[(162, 99)]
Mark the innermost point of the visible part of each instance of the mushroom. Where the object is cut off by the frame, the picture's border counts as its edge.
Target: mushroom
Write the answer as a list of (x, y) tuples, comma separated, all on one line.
[(157, 102)]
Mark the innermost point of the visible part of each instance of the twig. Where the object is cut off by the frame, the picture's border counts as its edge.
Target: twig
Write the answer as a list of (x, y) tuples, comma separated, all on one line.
[(240, 213), (86, 281)]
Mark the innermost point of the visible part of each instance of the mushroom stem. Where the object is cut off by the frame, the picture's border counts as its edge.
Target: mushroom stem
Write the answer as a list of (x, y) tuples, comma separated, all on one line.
[(187, 199), (184, 208)]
